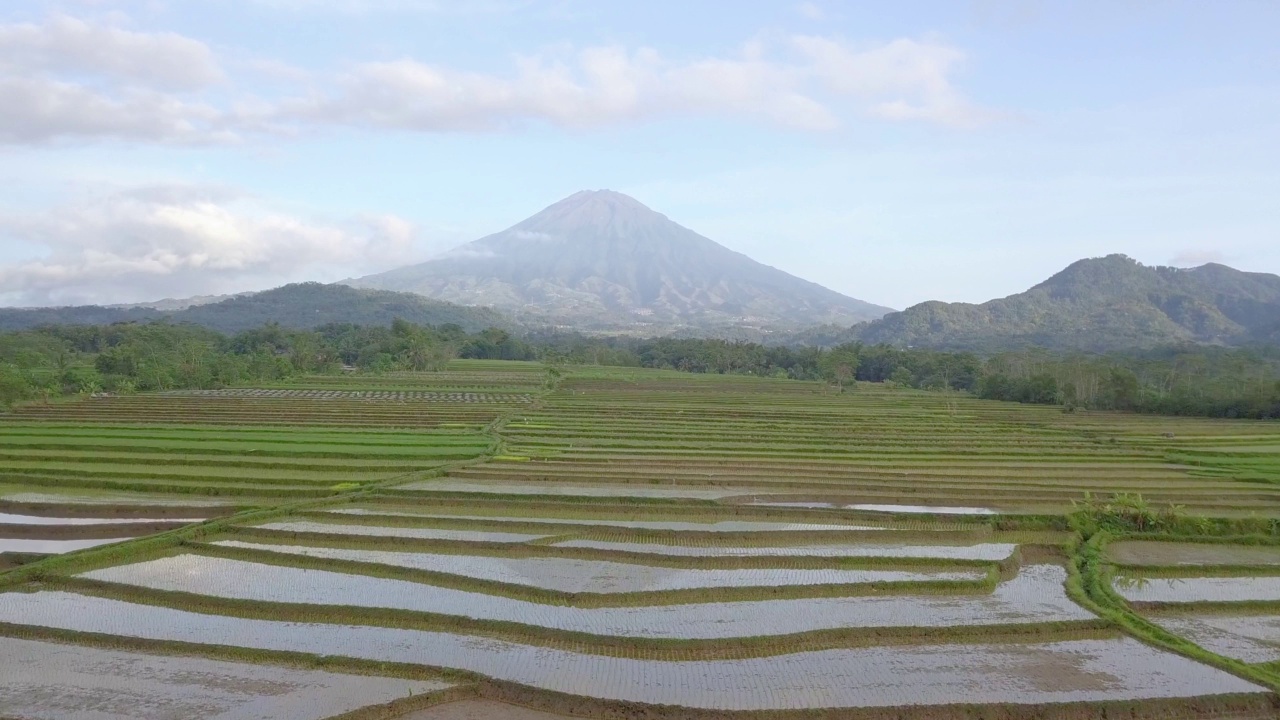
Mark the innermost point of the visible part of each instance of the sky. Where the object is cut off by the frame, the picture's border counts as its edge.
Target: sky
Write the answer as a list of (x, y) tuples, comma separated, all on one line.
[(894, 152)]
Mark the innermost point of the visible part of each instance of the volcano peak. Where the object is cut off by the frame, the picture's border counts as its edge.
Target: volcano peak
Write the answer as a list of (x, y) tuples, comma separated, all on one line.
[(602, 259)]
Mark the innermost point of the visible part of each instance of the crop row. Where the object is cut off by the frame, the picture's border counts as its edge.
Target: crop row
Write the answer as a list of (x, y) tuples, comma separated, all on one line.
[(414, 395)]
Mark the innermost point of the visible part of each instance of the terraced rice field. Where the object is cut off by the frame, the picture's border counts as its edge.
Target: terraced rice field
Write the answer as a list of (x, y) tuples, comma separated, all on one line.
[(56, 681), (1224, 597), (625, 543)]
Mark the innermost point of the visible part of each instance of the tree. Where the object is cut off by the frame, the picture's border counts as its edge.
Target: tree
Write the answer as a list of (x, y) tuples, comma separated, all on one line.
[(14, 386), (840, 364), (1122, 389), (902, 377), (1040, 389)]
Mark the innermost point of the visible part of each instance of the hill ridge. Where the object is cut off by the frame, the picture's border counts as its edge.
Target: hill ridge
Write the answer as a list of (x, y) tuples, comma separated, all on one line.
[(300, 306), (1097, 304)]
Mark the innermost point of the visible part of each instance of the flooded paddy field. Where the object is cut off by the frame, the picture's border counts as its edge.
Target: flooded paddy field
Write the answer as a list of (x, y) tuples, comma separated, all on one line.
[(1035, 595), (594, 576), (48, 681), (931, 509), (12, 519), (981, 551), (577, 490), (53, 547), (104, 502), (1197, 589), (880, 508), (1248, 638), (726, 526), (668, 542), (400, 532), (1051, 672)]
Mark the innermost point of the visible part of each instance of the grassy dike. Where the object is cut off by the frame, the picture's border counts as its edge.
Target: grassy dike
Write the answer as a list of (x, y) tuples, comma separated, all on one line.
[(1089, 583)]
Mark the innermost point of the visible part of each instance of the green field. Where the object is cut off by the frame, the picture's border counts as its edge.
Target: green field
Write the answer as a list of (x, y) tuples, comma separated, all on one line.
[(633, 543)]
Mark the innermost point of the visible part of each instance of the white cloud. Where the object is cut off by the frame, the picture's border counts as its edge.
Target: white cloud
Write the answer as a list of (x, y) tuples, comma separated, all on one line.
[(368, 7), (900, 80), (183, 240), (534, 236), (810, 11), (793, 84), (69, 79), (65, 44), (1193, 257), (468, 251), (40, 110)]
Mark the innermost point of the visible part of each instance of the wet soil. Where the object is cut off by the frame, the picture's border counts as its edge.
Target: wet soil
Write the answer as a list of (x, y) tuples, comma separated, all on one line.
[(10, 560), (1138, 552), (113, 510), (483, 710), (85, 532)]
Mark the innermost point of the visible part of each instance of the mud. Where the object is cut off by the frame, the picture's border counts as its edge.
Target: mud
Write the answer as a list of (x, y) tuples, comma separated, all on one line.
[(108, 502), (114, 512), (401, 532), (1143, 552), (85, 531), (484, 710)]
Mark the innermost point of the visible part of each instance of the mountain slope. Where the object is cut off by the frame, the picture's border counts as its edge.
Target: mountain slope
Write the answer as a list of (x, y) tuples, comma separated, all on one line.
[(300, 306), (1098, 304), (602, 259)]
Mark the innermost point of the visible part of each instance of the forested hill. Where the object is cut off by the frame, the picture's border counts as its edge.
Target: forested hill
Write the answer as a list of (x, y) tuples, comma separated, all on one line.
[(300, 306), (1098, 304)]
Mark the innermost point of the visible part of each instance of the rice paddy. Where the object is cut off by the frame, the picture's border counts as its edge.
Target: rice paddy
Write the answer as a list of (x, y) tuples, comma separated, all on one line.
[(593, 576), (56, 681), (626, 543)]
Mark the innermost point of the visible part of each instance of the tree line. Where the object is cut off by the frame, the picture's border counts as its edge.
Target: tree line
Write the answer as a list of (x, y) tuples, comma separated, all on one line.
[(128, 357)]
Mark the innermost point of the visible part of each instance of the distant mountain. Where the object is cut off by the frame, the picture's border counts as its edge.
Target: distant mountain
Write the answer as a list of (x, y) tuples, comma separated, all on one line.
[(171, 304), (301, 306), (602, 260), (25, 318), (1098, 304)]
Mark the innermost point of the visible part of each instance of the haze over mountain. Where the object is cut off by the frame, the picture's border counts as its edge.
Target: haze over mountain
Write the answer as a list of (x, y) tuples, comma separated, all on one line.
[(301, 306), (1097, 304), (602, 260)]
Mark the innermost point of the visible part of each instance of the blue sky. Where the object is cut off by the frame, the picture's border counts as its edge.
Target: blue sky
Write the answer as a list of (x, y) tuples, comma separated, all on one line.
[(895, 152)]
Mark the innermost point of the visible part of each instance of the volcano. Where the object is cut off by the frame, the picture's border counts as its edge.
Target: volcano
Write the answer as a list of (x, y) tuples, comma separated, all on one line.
[(601, 259)]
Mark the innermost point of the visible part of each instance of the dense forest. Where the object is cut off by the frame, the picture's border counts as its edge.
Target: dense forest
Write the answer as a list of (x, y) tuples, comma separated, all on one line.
[(52, 361)]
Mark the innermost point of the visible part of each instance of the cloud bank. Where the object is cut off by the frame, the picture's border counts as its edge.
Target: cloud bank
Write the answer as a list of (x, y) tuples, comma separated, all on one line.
[(68, 79), (183, 240)]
